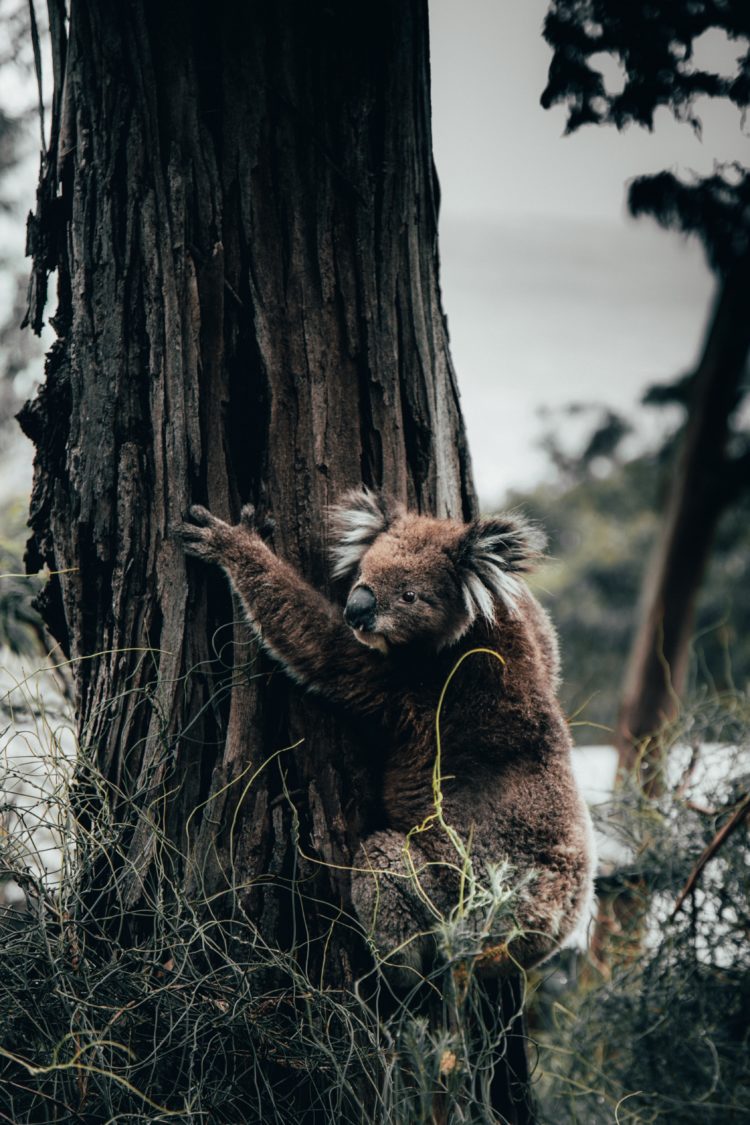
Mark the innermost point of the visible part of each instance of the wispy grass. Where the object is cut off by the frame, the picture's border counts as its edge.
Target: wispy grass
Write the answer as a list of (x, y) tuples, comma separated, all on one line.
[(199, 1018), (663, 1034)]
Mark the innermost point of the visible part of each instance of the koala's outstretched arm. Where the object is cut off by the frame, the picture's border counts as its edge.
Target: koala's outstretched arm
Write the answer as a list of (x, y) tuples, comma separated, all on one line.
[(294, 622)]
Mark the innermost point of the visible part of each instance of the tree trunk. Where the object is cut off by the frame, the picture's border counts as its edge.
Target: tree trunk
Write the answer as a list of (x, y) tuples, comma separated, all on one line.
[(241, 206), (704, 482)]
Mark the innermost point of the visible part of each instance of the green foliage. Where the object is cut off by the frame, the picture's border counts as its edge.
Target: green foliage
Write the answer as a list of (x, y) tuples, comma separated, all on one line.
[(653, 44), (602, 530)]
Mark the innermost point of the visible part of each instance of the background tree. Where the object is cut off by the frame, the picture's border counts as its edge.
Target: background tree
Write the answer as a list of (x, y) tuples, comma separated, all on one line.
[(241, 209), (603, 514), (20, 627), (653, 45)]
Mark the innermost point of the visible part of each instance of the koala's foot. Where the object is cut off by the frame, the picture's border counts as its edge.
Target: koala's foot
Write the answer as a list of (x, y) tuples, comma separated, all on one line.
[(392, 890)]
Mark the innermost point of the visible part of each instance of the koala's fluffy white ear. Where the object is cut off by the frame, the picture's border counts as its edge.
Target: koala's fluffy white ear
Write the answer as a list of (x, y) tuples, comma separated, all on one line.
[(491, 553), (356, 521)]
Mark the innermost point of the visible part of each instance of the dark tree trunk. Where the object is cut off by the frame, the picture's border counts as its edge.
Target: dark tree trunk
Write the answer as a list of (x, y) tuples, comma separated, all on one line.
[(705, 481), (241, 206)]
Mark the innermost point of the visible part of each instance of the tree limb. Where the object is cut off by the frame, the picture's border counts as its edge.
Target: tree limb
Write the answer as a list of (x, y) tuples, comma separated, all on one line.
[(711, 849)]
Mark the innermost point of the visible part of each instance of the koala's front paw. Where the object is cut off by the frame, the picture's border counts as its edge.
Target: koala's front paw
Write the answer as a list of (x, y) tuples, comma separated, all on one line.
[(206, 537)]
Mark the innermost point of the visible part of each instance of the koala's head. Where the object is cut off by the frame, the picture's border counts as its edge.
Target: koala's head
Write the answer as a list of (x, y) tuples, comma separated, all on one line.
[(421, 580)]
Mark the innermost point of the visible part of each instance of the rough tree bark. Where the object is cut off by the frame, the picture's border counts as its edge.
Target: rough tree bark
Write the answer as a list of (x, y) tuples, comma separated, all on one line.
[(706, 479), (241, 207)]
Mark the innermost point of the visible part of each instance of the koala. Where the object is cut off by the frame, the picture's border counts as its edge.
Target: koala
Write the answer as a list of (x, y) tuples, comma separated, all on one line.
[(437, 619)]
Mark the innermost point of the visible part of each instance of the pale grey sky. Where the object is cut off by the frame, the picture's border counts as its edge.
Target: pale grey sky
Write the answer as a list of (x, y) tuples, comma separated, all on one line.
[(498, 152), (552, 293)]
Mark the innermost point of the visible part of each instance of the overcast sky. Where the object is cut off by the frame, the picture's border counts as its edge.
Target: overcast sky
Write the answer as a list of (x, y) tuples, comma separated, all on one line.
[(500, 153), (552, 293)]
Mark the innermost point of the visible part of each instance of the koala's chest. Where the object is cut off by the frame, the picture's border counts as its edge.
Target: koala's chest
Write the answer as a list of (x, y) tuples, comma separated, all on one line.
[(418, 719), (465, 728), (407, 794), (410, 754)]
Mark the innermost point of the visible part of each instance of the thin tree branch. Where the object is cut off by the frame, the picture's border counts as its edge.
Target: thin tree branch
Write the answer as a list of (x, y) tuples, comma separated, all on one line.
[(710, 851)]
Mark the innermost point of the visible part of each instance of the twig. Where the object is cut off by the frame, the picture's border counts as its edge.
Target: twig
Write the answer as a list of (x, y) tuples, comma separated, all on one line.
[(689, 771), (711, 849), (37, 68)]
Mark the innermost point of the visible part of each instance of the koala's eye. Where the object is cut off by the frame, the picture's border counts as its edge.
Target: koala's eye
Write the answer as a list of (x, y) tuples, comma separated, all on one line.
[(408, 596)]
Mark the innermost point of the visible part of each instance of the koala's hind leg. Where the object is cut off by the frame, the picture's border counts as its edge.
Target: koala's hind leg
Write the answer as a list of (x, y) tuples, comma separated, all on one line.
[(393, 890)]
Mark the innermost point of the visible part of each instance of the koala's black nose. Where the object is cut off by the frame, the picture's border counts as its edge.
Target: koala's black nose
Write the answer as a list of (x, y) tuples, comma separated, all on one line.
[(360, 609)]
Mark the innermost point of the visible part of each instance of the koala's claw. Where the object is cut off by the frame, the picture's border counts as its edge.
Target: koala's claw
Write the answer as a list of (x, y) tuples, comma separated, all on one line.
[(200, 515), (201, 534), (195, 541), (264, 527)]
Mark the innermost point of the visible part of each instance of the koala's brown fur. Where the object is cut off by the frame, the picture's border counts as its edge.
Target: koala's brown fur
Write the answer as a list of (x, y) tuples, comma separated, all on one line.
[(423, 593)]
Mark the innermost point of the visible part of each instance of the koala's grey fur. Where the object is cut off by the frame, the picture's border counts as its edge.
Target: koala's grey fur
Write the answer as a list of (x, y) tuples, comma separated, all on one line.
[(433, 590)]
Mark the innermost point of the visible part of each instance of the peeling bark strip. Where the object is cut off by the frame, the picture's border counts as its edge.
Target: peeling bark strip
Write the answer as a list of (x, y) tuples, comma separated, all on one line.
[(241, 206)]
